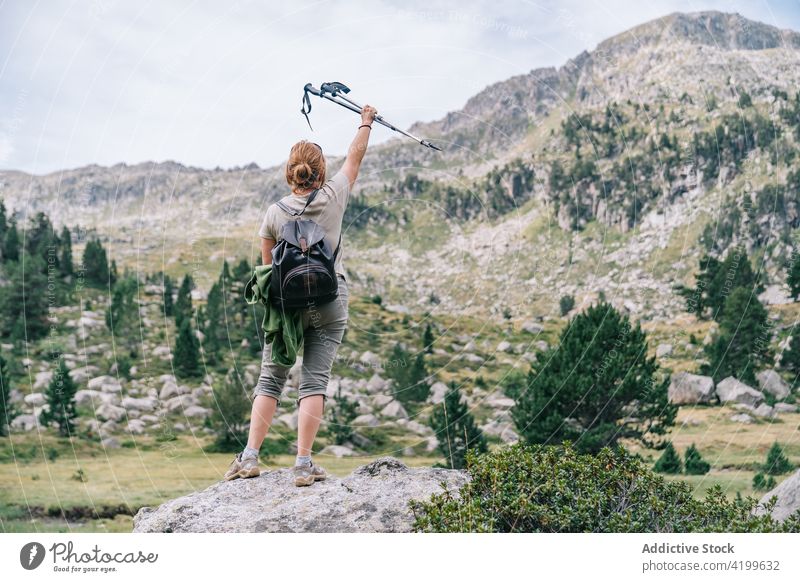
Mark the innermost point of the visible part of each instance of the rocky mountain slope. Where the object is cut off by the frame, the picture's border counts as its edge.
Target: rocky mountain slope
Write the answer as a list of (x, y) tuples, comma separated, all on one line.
[(660, 77)]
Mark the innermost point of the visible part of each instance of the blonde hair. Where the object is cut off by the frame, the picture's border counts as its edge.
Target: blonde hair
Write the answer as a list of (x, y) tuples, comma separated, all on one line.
[(306, 166)]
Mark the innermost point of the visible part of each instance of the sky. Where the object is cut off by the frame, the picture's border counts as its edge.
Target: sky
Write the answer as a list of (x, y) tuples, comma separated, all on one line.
[(219, 84)]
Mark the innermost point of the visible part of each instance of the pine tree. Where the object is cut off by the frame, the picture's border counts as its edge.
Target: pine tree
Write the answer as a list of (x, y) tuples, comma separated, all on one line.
[(24, 301), (60, 397), (122, 314), (95, 263), (183, 304), (214, 324), (428, 339), (67, 267), (113, 276), (342, 414), (777, 463), (566, 304), (42, 242), (669, 462), (742, 345), (187, 352), (7, 409), (229, 414), (456, 429), (3, 221), (584, 389), (11, 244), (169, 306), (409, 376), (693, 462)]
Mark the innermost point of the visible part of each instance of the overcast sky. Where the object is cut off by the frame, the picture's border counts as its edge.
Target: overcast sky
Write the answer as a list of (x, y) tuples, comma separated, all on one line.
[(219, 83)]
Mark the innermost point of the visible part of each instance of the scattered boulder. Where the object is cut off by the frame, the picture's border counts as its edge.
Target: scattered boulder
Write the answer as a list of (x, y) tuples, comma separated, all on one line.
[(110, 443), (34, 399), (504, 346), (337, 451), (377, 385), (108, 411), (732, 390), (366, 420), (499, 400), (135, 426), (532, 327), (374, 498), (663, 350), (785, 407), (788, 494), (370, 359), (685, 388), (771, 382), (25, 422), (41, 380), (288, 419), (146, 404), (83, 374), (394, 410), (743, 418), (438, 390), (181, 402), (381, 400), (196, 411)]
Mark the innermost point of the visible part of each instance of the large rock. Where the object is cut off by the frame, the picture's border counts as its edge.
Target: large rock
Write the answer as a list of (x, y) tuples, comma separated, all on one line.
[(732, 390), (438, 390), (394, 410), (146, 404), (788, 494), (770, 381), (685, 388), (374, 498)]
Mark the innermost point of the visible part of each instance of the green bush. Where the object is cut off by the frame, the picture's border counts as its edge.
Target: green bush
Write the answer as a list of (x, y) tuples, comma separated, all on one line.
[(762, 483), (693, 462), (669, 462), (777, 463), (566, 304), (552, 489)]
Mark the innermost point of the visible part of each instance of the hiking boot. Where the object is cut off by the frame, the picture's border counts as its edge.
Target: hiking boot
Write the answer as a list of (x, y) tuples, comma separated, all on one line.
[(243, 468), (305, 475)]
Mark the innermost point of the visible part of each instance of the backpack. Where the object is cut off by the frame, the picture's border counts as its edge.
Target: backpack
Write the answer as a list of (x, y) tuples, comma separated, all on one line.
[(302, 263)]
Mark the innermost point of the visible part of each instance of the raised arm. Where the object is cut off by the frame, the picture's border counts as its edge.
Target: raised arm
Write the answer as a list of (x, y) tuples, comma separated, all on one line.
[(355, 154)]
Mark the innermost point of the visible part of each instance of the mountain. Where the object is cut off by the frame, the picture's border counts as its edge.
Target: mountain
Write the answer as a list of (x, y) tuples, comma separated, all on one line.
[(597, 176)]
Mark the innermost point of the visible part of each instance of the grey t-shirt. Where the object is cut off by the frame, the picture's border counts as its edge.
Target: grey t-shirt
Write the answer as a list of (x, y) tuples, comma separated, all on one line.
[(327, 210)]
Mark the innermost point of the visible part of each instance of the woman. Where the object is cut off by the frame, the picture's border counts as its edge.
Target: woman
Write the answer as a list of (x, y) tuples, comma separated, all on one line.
[(324, 326)]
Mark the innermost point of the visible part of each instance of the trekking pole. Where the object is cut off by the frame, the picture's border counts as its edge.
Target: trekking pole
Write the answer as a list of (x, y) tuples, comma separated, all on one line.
[(334, 92)]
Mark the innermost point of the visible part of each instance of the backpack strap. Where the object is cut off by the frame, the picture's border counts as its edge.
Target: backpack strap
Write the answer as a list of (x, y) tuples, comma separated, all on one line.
[(285, 208)]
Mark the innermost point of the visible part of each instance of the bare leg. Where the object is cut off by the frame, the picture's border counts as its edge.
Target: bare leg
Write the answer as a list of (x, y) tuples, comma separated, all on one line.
[(308, 422), (260, 419)]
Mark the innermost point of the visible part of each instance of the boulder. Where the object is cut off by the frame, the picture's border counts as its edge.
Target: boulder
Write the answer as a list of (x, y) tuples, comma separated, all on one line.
[(110, 443), (418, 428), (337, 451), (146, 404), (35, 399), (532, 327), (377, 385), (438, 390), (663, 350), (788, 494), (25, 422), (108, 411), (181, 402), (83, 374), (785, 407), (685, 388), (366, 420), (135, 426), (381, 400), (771, 382), (504, 346), (732, 390), (743, 418), (97, 382), (370, 359), (499, 400), (394, 410), (41, 380), (195, 411), (374, 498), (288, 419)]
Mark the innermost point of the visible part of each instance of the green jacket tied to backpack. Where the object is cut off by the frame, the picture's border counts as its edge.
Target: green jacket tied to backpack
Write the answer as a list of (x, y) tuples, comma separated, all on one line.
[(283, 329)]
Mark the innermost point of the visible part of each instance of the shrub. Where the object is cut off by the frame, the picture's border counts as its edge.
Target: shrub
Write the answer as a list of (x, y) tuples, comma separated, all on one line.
[(552, 489), (777, 463), (566, 304), (455, 429), (669, 462), (693, 462), (762, 483)]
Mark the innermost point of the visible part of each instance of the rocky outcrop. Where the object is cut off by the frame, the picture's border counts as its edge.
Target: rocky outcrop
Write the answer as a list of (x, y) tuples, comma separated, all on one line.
[(788, 494), (770, 381), (374, 498), (685, 388)]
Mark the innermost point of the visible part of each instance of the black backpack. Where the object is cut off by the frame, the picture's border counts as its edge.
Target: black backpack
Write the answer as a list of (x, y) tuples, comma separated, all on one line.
[(302, 264)]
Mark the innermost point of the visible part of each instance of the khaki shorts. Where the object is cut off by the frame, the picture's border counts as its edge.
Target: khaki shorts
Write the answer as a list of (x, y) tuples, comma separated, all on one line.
[(323, 330)]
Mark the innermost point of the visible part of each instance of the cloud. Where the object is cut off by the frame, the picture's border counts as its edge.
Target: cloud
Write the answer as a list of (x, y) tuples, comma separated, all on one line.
[(213, 84)]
